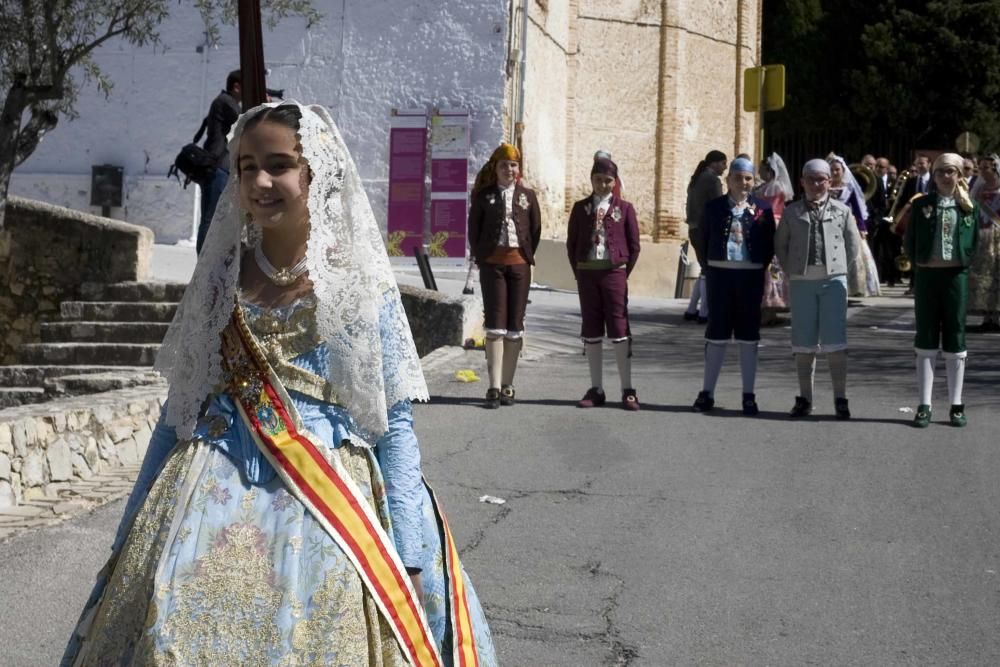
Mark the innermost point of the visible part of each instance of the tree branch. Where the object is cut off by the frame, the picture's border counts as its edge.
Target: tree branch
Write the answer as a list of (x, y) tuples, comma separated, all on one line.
[(42, 120)]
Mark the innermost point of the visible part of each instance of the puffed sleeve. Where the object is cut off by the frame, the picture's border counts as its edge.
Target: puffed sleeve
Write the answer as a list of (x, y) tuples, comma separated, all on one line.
[(399, 458), (398, 451)]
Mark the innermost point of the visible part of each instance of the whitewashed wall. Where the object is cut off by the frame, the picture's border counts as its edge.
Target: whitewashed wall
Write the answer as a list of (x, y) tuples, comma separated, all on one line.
[(363, 59)]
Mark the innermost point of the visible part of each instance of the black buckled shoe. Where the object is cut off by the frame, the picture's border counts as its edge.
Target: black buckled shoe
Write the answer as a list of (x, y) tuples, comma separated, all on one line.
[(750, 408), (594, 398), (802, 408), (923, 417), (630, 400), (957, 415), (704, 402), (840, 408), (507, 395), (492, 399)]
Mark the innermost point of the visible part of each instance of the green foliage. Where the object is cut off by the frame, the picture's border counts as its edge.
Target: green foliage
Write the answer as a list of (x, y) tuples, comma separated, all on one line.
[(922, 70)]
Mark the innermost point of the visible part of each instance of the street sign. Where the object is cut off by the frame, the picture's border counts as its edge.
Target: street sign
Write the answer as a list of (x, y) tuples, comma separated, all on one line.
[(764, 88)]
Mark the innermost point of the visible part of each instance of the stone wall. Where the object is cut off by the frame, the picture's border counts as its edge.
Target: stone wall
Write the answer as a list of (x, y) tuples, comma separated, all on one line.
[(73, 439), (437, 320), (658, 83), (361, 60), (48, 252)]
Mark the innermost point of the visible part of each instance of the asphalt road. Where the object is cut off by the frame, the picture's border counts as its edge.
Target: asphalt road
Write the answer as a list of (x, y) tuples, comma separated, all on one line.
[(666, 537)]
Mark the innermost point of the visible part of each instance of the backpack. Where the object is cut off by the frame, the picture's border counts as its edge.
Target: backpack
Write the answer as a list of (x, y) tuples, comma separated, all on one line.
[(193, 161)]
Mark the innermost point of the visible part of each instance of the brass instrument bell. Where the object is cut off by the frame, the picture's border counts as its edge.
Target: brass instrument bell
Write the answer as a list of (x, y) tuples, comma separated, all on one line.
[(866, 178)]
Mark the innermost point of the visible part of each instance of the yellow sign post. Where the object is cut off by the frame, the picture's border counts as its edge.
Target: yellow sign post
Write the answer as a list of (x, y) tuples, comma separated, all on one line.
[(763, 90)]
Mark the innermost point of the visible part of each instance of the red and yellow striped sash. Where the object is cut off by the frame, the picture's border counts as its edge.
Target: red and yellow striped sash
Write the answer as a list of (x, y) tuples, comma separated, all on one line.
[(463, 640), (326, 490), (333, 499)]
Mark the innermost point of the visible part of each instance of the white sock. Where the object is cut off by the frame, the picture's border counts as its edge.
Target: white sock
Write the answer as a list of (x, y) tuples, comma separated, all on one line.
[(494, 360), (595, 359), (624, 364), (925, 374), (805, 364), (838, 372), (715, 355), (954, 365), (748, 366), (511, 352)]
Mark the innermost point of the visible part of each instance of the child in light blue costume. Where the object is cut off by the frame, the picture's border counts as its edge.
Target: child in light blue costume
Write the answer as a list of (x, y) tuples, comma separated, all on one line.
[(222, 558)]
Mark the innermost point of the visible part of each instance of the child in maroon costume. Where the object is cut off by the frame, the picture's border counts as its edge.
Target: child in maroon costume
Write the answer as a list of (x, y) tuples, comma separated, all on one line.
[(603, 247)]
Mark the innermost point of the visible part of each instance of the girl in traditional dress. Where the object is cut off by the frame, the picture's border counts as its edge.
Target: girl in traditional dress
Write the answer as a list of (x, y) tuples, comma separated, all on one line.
[(505, 227), (941, 239), (984, 274), (776, 189), (863, 279), (280, 517)]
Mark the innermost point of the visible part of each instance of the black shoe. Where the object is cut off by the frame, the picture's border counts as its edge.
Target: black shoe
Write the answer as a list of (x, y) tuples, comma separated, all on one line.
[(507, 395), (492, 399), (750, 408), (841, 409), (468, 290), (704, 402), (957, 415), (702, 320), (802, 408), (690, 317)]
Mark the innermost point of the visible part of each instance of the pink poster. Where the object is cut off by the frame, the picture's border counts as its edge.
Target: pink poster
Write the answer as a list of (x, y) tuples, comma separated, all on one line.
[(449, 182), (448, 225), (407, 170)]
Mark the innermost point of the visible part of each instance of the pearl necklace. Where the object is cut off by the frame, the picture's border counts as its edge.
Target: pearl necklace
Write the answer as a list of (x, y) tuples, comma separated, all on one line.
[(280, 277)]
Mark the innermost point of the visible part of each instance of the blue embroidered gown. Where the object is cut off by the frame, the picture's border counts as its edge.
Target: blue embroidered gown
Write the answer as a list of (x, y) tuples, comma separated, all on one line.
[(215, 563)]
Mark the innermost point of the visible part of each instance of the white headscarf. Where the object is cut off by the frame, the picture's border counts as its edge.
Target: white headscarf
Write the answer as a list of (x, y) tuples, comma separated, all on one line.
[(352, 282), (781, 182), (850, 185)]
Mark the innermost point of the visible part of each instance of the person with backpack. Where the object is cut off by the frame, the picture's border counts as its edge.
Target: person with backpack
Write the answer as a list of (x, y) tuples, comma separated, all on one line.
[(223, 112)]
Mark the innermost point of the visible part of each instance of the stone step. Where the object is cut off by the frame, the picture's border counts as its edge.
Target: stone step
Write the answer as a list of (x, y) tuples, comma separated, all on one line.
[(36, 376), (11, 397), (94, 383), (117, 311), (133, 292), (112, 354), (103, 332)]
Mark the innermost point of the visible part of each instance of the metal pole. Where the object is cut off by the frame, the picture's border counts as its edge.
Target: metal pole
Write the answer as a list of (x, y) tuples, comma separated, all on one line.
[(251, 54)]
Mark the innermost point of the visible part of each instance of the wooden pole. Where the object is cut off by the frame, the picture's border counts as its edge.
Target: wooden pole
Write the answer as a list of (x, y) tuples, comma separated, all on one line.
[(251, 54)]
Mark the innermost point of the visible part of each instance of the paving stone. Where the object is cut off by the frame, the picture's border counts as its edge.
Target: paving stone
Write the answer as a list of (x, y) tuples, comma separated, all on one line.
[(68, 506), (22, 511)]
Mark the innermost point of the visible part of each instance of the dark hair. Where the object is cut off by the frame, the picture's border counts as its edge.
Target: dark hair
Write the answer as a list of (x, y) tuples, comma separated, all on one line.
[(285, 114), (236, 76), (710, 157)]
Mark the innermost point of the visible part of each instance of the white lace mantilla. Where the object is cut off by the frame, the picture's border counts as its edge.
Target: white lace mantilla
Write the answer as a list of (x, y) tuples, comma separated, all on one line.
[(352, 281)]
